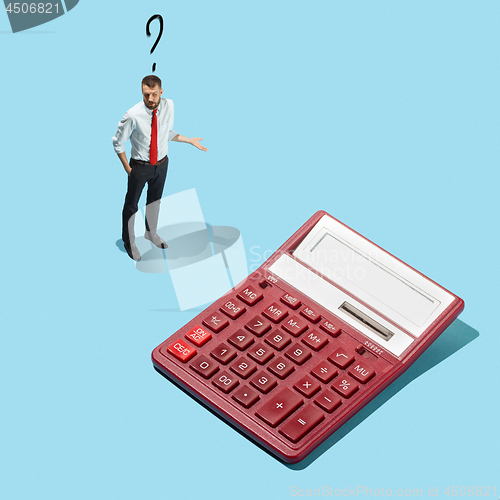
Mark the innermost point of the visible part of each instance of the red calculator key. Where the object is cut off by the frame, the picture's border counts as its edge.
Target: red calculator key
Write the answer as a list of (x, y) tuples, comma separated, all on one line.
[(307, 386), (226, 382), (278, 340), (246, 396), (330, 328), (181, 350), (233, 308), (241, 339), (290, 301), (324, 371), (250, 296), (223, 354), (302, 423), (361, 372), (280, 406), (310, 314), (298, 354), (275, 312), (204, 366), (315, 340), (258, 326), (216, 322), (295, 326), (345, 386), (198, 336), (341, 357), (281, 367), (328, 401), (264, 382), (261, 353), (243, 367)]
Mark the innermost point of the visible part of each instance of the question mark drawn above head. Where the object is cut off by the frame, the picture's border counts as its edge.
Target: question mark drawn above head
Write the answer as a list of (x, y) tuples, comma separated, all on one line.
[(148, 33)]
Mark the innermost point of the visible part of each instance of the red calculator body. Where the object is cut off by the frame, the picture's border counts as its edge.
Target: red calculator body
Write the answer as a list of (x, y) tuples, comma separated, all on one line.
[(309, 338)]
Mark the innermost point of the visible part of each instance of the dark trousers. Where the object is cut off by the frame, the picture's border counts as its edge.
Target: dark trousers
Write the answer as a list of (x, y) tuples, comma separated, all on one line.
[(154, 176)]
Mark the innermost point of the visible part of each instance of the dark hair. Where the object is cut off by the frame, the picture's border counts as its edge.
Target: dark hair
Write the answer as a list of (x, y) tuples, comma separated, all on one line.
[(151, 81)]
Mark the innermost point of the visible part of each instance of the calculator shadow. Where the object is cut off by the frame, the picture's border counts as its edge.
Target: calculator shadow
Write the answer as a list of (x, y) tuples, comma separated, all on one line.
[(456, 336)]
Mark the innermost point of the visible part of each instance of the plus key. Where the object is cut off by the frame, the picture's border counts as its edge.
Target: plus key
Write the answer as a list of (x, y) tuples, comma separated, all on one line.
[(279, 407)]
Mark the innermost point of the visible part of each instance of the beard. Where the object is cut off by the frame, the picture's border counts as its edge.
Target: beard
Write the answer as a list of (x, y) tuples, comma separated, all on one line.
[(152, 106)]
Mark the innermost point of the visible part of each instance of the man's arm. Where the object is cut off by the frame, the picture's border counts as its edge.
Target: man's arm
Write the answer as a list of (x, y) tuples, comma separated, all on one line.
[(123, 159), (194, 141), (125, 128)]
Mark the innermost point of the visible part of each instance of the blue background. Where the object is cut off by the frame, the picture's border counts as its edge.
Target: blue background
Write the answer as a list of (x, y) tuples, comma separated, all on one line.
[(383, 113)]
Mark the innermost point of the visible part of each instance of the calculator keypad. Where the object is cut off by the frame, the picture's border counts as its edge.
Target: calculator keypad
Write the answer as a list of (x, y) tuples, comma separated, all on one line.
[(245, 396), (295, 325), (302, 423), (216, 322), (279, 407), (241, 340), (281, 367), (233, 308), (258, 326), (282, 361)]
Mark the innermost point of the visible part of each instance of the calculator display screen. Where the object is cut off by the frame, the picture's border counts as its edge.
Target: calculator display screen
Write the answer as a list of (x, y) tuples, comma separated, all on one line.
[(350, 264)]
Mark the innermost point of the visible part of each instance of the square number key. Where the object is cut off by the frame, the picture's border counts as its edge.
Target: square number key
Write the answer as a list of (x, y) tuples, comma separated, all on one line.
[(281, 367), (223, 353), (278, 340), (204, 366), (264, 382), (241, 339), (261, 353), (258, 326), (243, 367), (226, 382), (298, 354)]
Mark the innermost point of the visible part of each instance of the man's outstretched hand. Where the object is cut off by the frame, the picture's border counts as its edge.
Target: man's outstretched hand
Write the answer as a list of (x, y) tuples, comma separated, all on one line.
[(195, 141)]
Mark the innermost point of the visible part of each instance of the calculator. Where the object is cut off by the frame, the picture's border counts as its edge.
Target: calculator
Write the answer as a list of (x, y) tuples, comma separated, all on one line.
[(297, 348)]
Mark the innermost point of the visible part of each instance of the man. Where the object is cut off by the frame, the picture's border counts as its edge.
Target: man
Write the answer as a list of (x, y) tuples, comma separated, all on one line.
[(149, 126)]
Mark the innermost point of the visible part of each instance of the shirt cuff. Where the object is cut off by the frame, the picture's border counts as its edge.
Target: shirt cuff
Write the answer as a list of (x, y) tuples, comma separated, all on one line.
[(172, 134)]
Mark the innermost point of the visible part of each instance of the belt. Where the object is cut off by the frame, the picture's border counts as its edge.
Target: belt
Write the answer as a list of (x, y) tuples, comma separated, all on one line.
[(147, 162)]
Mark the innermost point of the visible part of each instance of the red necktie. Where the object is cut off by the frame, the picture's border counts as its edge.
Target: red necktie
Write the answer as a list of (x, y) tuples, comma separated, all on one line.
[(153, 148)]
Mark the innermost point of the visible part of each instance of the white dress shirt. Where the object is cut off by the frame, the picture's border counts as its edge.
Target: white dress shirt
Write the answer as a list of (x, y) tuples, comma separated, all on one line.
[(136, 126)]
